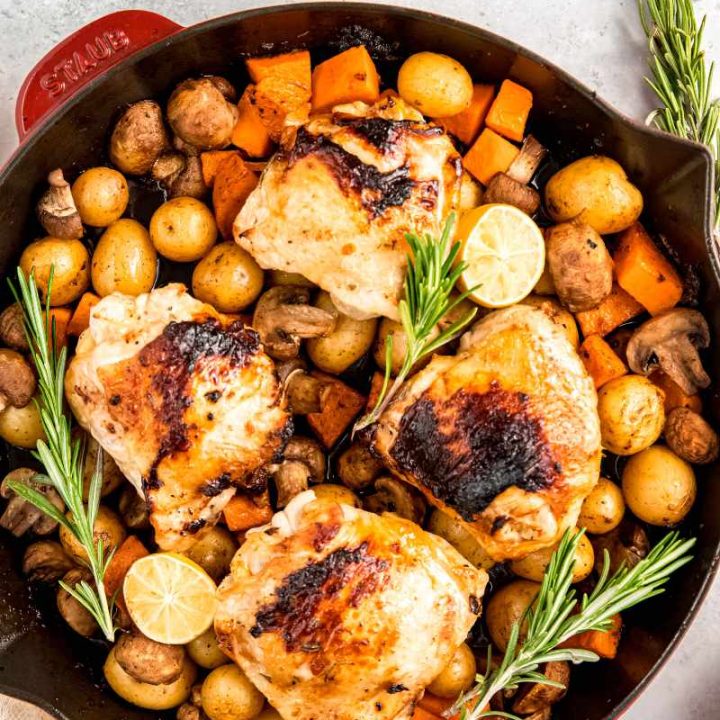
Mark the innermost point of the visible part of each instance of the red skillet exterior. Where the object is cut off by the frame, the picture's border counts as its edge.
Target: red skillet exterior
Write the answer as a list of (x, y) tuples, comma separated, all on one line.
[(40, 658)]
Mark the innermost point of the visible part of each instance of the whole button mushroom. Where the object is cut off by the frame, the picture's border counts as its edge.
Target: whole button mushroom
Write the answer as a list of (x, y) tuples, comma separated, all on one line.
[(138, 138), (12, 328), (690, 437), (17, 380)]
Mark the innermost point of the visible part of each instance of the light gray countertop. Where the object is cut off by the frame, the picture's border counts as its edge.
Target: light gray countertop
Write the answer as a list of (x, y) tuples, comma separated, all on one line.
[(598, 41)]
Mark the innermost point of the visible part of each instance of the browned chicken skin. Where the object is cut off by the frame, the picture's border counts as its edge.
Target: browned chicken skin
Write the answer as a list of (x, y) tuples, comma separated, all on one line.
[(188, 406), (504, 436), (335, 613)]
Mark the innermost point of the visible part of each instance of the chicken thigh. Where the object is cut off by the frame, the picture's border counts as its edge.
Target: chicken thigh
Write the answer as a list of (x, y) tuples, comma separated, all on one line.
[(187, 405), (335, 613), (334, 204), (505, 436)]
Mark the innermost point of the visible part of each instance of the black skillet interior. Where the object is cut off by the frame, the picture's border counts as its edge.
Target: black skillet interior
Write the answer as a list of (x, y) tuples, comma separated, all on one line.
[(40, 658)]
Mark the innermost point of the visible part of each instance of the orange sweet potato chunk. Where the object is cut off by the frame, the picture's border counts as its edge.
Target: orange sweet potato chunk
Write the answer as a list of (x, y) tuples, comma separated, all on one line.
[(344, 78), (509, 112), (490, 155), (466, 125), (600, 360), (618, 307), (234, 181)]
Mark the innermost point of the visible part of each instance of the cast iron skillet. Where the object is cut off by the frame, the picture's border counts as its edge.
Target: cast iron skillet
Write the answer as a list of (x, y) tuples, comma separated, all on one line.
[(40, 658)]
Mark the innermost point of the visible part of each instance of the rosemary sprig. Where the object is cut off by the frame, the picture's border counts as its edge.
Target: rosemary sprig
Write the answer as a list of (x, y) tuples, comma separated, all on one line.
[(681, 78), (431, 276), (552, 619), (61, 456)]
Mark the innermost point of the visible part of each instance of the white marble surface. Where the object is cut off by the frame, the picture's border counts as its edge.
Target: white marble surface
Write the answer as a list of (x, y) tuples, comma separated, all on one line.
[(598, 41)]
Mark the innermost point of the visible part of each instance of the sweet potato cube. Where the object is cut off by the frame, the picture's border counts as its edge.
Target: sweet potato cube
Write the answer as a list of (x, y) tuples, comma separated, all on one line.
[(80, 319), (234, 181), (675, 396), (600, 360), (618, 307), (466, 125), (250, 133), (509, 112), (340, 406), (489, 155), (247, 511), (344, 78)]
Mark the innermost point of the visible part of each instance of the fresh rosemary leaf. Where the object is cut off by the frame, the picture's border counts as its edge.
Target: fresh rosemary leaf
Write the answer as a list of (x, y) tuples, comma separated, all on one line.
[(432, 272)]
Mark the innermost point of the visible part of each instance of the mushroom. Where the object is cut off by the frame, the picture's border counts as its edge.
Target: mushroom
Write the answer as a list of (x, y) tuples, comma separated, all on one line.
[(190, 712), (504, 189), (12, 328), (180, 174), (138, 138), (148, 661), (689, 436), (46, 561), (303, 462), (224, 86), (200, 114), (56, 209), (20, 515), (133, 509), (396, 497), (305, 392), (283, 316), (357, 466), (74, 614), (525, 165), (670, 341), (534, 697), (17, 380), (626, 545)]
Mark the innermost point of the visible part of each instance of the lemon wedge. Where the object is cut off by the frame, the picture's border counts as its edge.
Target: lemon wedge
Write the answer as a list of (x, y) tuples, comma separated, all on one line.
[(170, 598), (505, 254)]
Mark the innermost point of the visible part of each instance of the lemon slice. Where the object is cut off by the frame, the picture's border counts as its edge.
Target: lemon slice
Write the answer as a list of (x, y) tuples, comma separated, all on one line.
[(505, 254), (170, 598)]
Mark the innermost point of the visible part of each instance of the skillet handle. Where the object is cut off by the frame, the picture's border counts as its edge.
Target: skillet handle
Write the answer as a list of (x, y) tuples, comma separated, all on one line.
[(81, 57)]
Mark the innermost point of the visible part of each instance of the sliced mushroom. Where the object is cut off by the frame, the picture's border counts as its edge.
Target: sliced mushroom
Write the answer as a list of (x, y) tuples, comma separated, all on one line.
[(133, 509), (138, 138), (626, 545), (74, 614), (504, 189), (17, 380), (20, 515), (533, 697), (46, 561), (670, 341), (189, 182), (56, 209), (283, 315), (148, 661), (167, 167), (12, 328), (691, 437), (396, 497), (526, 164), (304, 462), (357, 466)]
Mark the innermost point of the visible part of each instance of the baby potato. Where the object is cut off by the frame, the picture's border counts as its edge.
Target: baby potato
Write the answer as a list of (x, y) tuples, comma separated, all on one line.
[(101, 195), (603, 509), (337, 494), (533, 566), (659, 487), (457, 677), (145, 695), (347, 343), (205, 651), (71, 268), (594, 190), (435, 84), (282, 277), (108, 528), (506, 607), (449, 529), (632, 414), (213, 552), (399, 346), (124, 260), (227, 694), (228, 278), (558, 314), (183, 229), (21, 426)]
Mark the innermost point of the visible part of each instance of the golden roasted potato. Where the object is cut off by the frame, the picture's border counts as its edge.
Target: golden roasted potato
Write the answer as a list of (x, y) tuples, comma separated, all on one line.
[(145, 695), (71, 268), (282, 277), (348, 342), (462, 540), (603, 509), (124, 260), (228, 278), (533, 566), (632, 414), (457, 677), (21, 426), (183, 229), (227, 694), (138, 138), (101, 195), (596, 191), (659, 487), (437, 85), (336, 493), (506, 607), (205, 651), (108, 528), (558, 314), (214, 551)]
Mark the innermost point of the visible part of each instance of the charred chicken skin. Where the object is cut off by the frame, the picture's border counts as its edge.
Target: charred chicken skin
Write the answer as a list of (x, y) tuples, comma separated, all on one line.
[(504, 436), (188, 405), (335, 613), (334, 204)]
